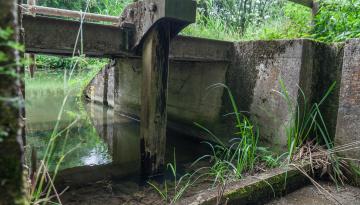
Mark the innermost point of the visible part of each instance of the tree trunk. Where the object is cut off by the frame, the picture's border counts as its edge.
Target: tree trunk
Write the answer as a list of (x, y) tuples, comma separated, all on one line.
[(11, 141)]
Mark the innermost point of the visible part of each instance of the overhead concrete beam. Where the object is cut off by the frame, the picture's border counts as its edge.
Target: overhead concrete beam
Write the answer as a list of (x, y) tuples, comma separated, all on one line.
[(58, 36)]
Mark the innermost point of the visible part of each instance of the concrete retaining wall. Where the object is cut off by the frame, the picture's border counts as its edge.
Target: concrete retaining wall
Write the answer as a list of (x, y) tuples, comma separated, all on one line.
[(252, 70), (348, 119)]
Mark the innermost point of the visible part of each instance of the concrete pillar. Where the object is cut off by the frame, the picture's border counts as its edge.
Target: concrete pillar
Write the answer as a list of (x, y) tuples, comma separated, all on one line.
[(348, 120)]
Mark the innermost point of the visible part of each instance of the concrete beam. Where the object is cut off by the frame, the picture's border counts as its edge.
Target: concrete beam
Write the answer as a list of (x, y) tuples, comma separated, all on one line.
[(185, 48), (59, 37)]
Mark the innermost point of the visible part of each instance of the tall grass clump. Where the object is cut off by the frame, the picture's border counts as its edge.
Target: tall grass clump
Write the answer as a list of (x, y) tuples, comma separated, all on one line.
[(307, 122), (230, 160), (308, 139)]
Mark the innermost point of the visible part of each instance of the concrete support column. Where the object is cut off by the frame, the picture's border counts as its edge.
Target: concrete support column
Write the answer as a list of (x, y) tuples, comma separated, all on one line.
[(154, 92)]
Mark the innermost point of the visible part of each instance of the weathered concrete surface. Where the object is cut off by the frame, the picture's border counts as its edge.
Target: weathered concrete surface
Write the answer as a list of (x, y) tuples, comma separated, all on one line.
[(147, 14), (255, 77), (253, 189), (252, 70), (348, 120), (311, 195), (11, 102), (57, 36), (189, 99), (327, 66)]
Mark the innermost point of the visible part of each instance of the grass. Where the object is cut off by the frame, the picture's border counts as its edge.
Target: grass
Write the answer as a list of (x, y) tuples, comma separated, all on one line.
[(43, 190), (308, 141), (239, 154), (172, 193)]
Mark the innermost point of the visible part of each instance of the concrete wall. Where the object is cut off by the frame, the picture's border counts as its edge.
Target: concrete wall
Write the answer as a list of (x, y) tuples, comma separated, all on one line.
[(252, 70), (348, 119)]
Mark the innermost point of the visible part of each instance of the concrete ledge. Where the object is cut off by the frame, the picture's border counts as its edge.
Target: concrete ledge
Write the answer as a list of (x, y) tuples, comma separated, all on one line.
[(255, 189), (187, 48)]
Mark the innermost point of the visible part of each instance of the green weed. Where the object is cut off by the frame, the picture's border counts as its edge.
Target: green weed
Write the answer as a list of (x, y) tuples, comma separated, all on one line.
[(237, 156), (171, 193)]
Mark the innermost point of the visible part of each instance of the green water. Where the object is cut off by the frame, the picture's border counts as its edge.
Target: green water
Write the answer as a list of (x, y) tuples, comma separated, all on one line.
[(45, 95), (100, 143)]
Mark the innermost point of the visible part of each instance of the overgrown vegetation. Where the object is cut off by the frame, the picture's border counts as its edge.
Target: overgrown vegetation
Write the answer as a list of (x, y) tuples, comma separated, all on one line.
[(240, 154), (338, 20), (308, 142)]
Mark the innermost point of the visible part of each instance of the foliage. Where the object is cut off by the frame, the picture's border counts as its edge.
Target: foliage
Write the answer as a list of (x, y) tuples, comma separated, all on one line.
[(108, 7), (238, 13), (179, 185), (240, 154), (293, 22), (337, 20), (306, 122), (307, 126), (6, 42)]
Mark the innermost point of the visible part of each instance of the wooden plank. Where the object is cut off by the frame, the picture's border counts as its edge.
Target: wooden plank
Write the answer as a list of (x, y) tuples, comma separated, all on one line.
[(32, 9), (154, 88), (307, 3), (57, 36)]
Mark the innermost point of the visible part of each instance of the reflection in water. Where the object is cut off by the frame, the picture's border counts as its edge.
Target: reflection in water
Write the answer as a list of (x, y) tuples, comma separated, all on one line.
[(108, 143)]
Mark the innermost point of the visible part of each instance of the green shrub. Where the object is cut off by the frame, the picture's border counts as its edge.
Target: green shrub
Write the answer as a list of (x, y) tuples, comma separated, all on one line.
[(337, 20)]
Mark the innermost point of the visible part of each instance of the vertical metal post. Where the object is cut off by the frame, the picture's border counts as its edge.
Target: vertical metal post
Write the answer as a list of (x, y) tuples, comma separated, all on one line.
[(155, 62)]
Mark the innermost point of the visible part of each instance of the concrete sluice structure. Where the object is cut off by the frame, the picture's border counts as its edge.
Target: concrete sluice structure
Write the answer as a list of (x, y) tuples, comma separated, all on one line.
[(198, 71), (252, 71)]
